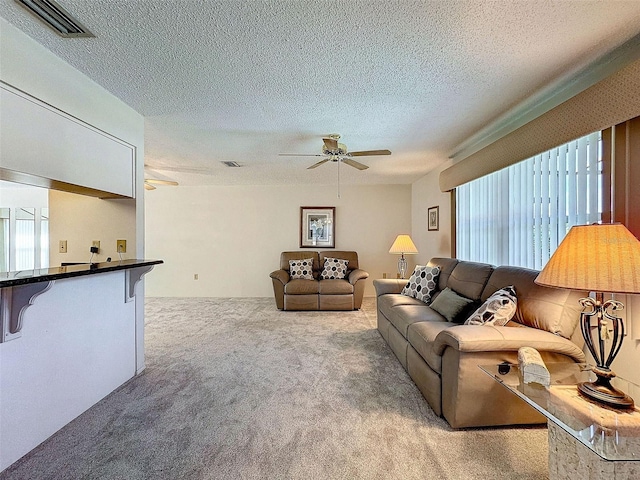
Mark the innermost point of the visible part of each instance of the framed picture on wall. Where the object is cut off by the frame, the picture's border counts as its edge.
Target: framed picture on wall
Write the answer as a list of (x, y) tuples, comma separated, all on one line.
[(433, 218), (317, 227)]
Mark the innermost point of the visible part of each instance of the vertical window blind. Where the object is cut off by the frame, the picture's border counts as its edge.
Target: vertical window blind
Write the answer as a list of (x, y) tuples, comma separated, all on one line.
[(520, 214)]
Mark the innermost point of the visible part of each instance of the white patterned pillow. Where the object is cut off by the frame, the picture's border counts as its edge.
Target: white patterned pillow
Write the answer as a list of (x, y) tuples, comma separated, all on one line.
[(301, 269), (334, 268), (422, 283), (497, 310)]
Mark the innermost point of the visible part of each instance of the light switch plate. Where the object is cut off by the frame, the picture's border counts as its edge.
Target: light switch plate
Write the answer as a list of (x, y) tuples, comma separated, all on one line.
[(63, 246)]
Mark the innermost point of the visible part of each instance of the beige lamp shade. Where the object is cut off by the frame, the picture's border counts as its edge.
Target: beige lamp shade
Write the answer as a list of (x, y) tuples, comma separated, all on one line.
[(403, 245), (595, 258)]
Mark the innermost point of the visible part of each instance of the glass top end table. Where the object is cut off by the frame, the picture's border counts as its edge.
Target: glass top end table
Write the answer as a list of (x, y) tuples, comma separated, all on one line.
[(614, 435)]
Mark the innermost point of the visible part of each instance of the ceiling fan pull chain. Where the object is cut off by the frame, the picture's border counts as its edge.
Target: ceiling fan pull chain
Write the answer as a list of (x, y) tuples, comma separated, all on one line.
[(339, 162)]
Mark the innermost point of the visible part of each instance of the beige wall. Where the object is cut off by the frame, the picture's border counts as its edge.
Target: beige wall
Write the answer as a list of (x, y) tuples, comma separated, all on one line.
[(79, 220), (425, 193), (232, 236)]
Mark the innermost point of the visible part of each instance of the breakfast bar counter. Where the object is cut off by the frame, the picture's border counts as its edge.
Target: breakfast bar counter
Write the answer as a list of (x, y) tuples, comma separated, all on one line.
[(70, 336)]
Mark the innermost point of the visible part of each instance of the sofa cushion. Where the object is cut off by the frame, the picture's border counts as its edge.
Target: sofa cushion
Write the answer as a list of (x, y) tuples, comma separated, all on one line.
[(402, 311), (335, 287), (301, 269), (421, 336), (446, 267), (498, 309), (334, 268), (449, 304), (301, 287), (469, 279), (422, 283)]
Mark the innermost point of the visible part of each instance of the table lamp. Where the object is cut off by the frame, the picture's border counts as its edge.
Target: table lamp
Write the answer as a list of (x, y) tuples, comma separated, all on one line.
[(403, 245), (598, 258)]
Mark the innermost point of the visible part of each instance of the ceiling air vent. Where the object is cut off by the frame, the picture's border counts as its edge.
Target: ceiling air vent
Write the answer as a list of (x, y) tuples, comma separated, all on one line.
[(56, 17), (232, 164)]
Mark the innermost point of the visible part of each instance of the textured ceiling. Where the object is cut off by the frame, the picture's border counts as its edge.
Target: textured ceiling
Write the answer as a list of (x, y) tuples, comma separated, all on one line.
[(246, 80)]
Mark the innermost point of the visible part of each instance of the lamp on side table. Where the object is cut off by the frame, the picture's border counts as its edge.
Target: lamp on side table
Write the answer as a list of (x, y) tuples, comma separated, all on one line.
[(404, 246), (598, 258)]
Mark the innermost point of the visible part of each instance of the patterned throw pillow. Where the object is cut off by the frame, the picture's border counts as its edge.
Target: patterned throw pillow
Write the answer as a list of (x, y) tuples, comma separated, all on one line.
[(334, 269), (422, 283), (497, 310), (301, 269)]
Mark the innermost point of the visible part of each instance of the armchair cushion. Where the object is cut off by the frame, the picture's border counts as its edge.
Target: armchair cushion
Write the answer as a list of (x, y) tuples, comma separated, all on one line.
[(302, 269)]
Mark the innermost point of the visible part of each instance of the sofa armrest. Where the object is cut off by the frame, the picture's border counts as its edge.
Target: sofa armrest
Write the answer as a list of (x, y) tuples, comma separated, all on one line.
[(281, 275), (388, 285), (480, 338), (356, 275)]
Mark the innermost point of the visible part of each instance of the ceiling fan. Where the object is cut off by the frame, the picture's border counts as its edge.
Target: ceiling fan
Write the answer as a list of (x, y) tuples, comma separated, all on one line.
[(337, 152)]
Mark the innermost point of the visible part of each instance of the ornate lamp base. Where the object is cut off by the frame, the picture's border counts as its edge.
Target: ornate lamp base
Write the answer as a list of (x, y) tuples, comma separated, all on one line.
[(602, 391), (608, 328)]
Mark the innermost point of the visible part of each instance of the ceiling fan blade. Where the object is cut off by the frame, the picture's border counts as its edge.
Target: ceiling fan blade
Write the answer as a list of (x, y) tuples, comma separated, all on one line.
[(365, 153), (330, 144), (300, 155), (353, 163), (148, 187), (160, 182), (318, 164)]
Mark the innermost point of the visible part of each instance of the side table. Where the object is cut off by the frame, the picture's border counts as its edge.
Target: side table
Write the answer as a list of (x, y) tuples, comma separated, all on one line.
[(586, 440)]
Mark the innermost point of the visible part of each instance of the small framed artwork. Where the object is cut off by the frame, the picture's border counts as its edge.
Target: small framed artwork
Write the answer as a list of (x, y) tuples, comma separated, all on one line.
[(317, 227), (433, 218)]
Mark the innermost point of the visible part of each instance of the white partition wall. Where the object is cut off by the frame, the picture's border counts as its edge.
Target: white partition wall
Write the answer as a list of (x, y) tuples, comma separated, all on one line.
[(40, 140)]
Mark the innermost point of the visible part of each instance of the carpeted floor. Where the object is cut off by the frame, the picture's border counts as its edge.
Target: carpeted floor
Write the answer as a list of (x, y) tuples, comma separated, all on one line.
[(235, 389)]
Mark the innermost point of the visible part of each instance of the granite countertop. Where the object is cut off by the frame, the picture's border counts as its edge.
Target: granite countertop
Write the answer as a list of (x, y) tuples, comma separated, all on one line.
[(24, 277)]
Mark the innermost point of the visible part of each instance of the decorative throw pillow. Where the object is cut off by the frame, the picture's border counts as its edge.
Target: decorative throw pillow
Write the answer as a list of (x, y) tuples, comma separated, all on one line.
[(334, 268), (449, 304), (301, 269), (498, 309), (422, 283)]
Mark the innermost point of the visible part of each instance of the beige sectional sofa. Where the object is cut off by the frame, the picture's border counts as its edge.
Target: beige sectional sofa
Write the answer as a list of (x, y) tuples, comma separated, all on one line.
[(319, 294), (443, 357)]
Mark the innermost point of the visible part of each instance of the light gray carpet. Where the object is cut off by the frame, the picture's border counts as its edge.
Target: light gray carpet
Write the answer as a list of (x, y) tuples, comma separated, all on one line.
[(235, 389)]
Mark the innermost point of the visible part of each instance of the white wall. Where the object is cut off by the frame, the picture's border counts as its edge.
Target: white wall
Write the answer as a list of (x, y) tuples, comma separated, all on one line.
[(232, 236), (425, 193)]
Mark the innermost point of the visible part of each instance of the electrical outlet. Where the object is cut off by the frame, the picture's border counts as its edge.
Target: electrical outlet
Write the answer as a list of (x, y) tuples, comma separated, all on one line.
[(121, 246), (195, 276), (63, 246), (384, 275), (96, 243)]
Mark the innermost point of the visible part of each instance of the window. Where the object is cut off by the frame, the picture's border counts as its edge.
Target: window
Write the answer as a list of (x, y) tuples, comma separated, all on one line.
[(520, 214)]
